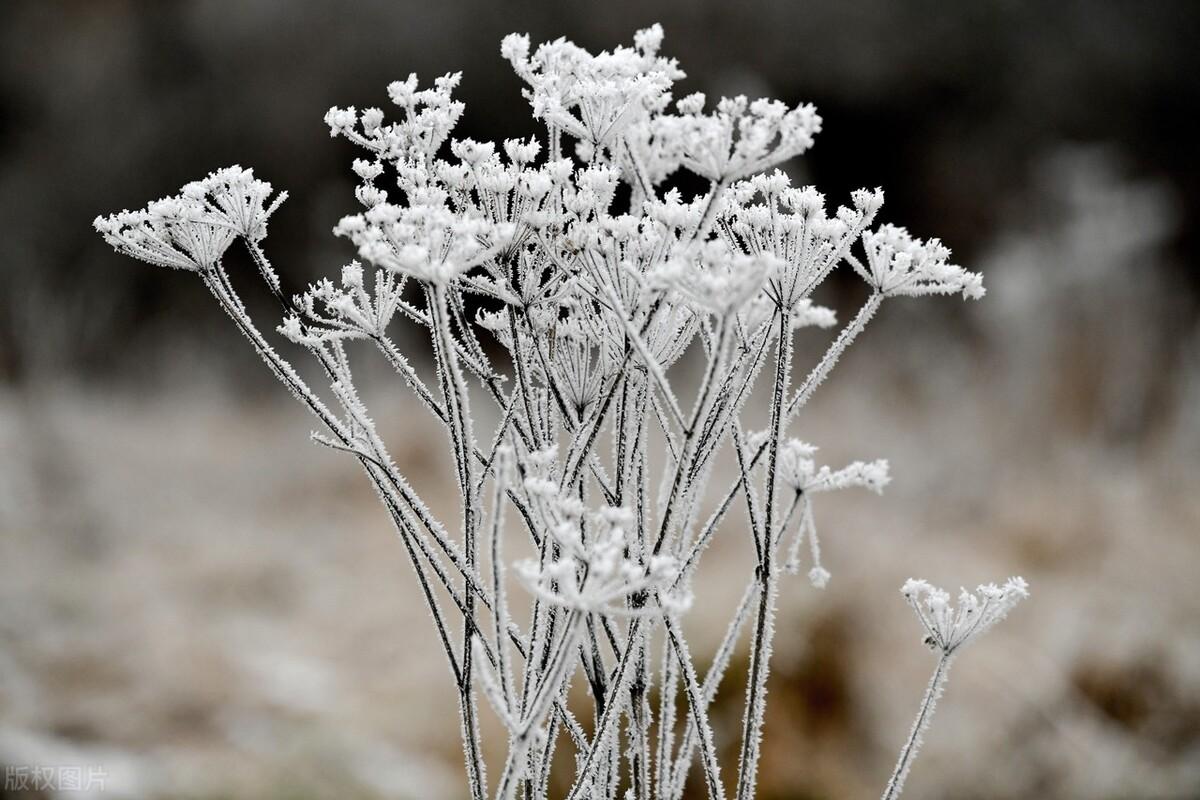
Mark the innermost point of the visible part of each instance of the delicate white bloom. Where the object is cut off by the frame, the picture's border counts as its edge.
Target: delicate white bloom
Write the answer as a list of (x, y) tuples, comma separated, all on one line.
[(898, 264), (178, 232), (949, 627), (429, 241), (716, 279), (741, 138), (798, 470), (593, 573), (594, 98)]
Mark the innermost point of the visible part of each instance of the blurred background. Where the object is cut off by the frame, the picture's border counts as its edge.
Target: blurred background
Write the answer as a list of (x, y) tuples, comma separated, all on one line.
[(199, 600)]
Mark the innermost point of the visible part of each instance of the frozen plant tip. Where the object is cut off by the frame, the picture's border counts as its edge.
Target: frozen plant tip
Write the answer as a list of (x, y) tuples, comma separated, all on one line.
[(948, 628), (560, 279), (798, 470)]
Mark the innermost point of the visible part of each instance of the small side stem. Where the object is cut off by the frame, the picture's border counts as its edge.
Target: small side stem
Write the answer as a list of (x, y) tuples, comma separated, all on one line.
[(908, 753)]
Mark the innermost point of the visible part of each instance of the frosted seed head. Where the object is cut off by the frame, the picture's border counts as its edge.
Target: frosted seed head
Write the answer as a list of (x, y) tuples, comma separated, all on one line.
[(367, 170), (352, 275), (522, 152), (341, 121), (806, 313), (594, 291), (867, 202), (649, 40), (515, 49), (372, 119), (181, 232), (948, 627), (899, 264), (691, 104), (370, 196), (403, 93), (472, 152)]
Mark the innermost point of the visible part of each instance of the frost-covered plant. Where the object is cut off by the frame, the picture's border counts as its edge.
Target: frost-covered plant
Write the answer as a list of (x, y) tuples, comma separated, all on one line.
[(948, 629), (591, 280)]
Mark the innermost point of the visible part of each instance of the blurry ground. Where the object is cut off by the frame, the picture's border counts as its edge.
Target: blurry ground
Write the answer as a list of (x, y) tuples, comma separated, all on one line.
[(197, 598)]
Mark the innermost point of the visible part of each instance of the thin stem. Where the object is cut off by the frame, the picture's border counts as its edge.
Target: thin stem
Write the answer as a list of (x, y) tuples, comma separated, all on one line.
[(699, 711), (764, 626), (607, 722), (908, 753), (803, 394)]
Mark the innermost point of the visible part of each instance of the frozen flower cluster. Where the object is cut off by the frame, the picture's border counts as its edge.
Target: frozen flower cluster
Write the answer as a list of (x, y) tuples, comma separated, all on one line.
[(593, 573), (192, 230), (594, 98), (949, 627), (560, 280), (798, 470), (898, 264)]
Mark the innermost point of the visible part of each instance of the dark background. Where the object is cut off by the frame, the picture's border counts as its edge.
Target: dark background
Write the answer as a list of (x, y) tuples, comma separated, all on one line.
[(951, 107)]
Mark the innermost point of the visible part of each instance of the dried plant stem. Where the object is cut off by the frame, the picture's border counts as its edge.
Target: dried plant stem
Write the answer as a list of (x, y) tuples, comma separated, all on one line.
[(908, 753), (764, 623)]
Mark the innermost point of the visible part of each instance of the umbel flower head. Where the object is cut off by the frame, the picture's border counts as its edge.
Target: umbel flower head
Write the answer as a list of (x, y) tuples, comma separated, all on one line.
[(593, 573), (742, 137), (594, 98), (949, 627), (424, 240), (799, 471), (347, 311), (427, 117), (900, 264), (192, 230), (716, 279), (177, 232), (237, 198)]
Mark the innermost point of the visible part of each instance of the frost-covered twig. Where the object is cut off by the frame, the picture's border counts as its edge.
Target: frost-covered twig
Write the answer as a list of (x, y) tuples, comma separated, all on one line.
[(947, 630)]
